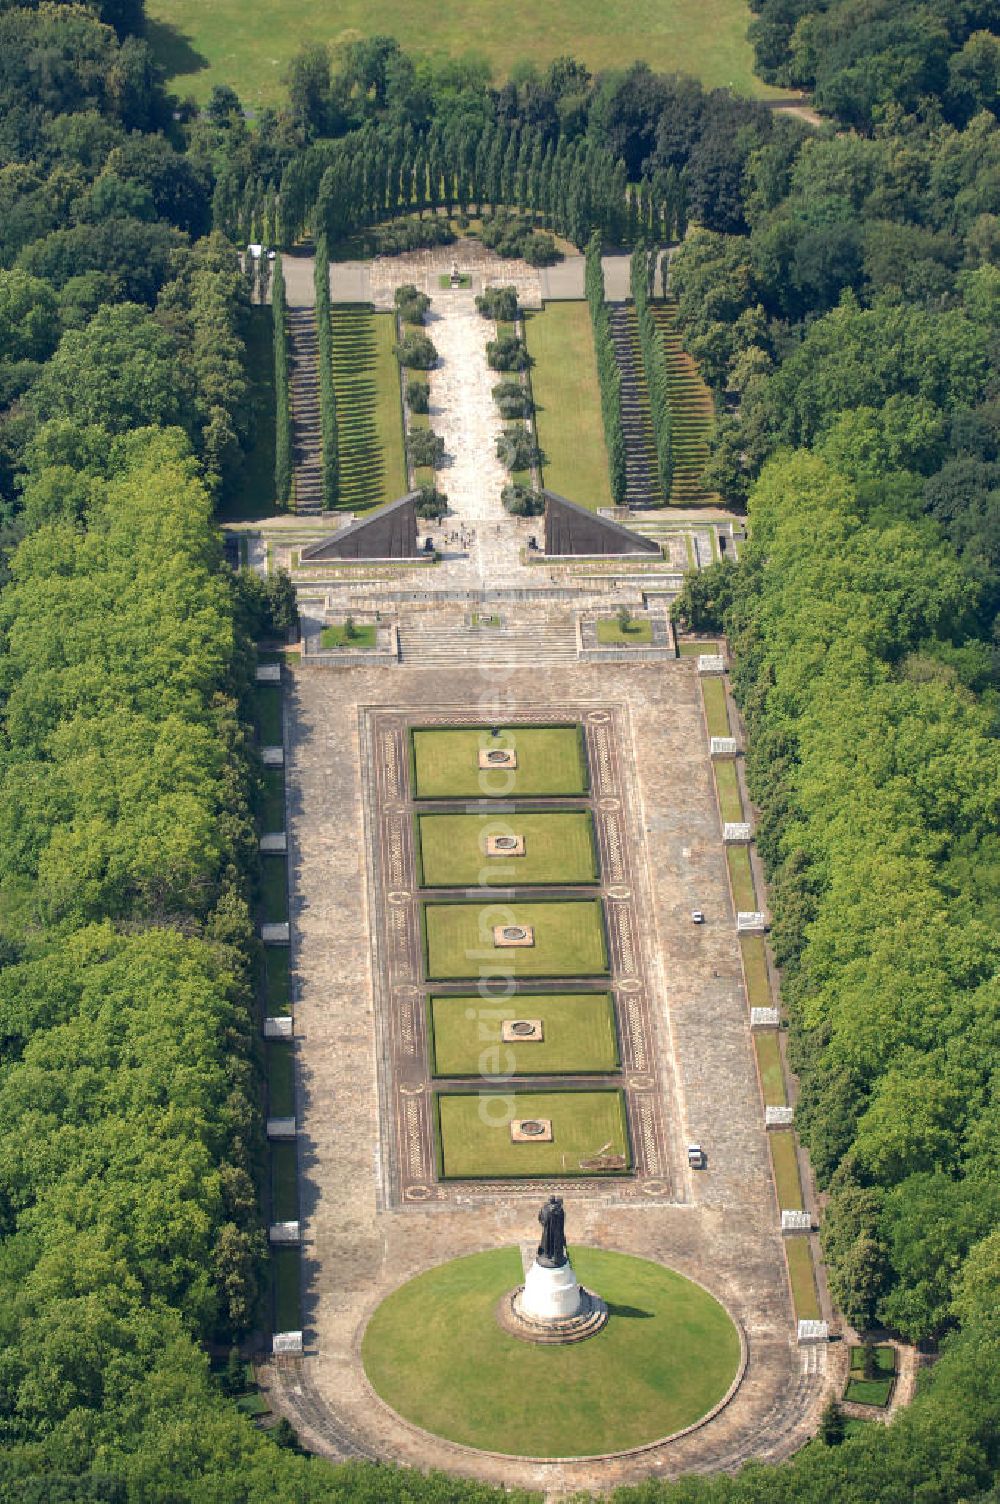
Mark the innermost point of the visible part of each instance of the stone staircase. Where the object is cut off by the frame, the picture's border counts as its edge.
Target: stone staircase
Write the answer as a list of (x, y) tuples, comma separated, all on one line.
[(692, 413), (642, 485), (303, 351), (426, 644)]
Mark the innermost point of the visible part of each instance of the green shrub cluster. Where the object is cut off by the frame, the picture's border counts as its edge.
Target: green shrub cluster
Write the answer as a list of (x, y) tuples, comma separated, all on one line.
[(654, 360), (431, 503), (508, 353), (418, 396), (513, 399), (282, 391), (522, 501), (425, 447), (517, 450), (416, 351), (608, 375), (411, 304), (498, 303), (327, 393)]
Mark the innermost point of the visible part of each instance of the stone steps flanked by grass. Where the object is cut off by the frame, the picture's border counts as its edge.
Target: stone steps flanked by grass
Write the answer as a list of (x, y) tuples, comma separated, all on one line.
[(422, 644)]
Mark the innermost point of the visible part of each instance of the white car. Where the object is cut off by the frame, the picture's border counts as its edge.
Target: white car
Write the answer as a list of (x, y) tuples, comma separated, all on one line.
[(697, 917), (696, 1157)]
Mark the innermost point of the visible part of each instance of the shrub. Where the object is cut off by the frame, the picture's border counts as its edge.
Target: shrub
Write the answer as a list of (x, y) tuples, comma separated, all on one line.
[(522, 501), (425, 447), (608, 375), (418, 396), (431, 503), (499, 303), (654, 360), (517, 449), (513, 399), (540, 249), (510, 235), (416, 352), (282, 391), (507, 353), (411, 305), (409, 235)]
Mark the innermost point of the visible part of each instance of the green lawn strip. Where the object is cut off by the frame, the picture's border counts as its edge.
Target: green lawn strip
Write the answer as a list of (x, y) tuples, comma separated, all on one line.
[(786, 1169), (369, 408), (272, 813), (728, 784), (569, 940), (755, 971), (695, 649), (558, 848), (713, 690), (667, 1355), (280, 1080), (802, 1279), (251, 494), (284, 1182), (277, 982), (885, 1361), (274, 889), (336, 636), (869, 1391), (578, 1035), (267, 705), (560, 341), (474, 1139), (287, 1266), (549, 761), (741, 877), (772, 1077), (611, 633), (253, 1404)]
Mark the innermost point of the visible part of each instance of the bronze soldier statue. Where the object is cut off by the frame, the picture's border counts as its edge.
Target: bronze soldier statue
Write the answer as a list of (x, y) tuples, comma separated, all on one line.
[(552, 1249)]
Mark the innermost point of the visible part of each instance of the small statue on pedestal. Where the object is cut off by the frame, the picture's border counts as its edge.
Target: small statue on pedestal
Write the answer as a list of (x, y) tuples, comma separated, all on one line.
[(552, 1248)]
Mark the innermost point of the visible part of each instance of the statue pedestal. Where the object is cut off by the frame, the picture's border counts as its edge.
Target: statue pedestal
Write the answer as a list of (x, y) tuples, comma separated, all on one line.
[(551, 1306)]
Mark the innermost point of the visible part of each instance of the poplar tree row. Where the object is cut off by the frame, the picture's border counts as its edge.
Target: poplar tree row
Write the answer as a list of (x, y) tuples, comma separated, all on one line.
[(282, 392), (327, 394), (609, 375), (654, 360)]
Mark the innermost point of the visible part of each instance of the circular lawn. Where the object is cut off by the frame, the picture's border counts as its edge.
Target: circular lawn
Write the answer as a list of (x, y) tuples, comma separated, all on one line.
[(434, 1352)]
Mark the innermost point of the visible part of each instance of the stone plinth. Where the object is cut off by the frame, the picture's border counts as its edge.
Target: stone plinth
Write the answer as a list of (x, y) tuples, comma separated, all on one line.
[(504, 845), (552, 1306), (522, 1031), (711, 663), (813, 1331), (275, 934), (737, 833), (268, 673), (274, 842), (280, 1128), (508, 936), (272, 757), (723, 746), (778, 1117), (765, 1018), (795, 1221), (278, 1027), (750, 922), (531, 1131), (497, 757), (286, 1344), (284, 1232)]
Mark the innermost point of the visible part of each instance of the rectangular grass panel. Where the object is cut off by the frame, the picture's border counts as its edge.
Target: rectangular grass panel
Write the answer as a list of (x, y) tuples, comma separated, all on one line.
[(272, 808), (713, 690), (267, 702), (728, 785), (578, 1035), (802, 1279), (772, 1079), (786, 1169), (741, 878), (569, 940), (560, 342), (446, 762), (287, 1266), (280, 1081), (558, 848), (276, 979), (369, 408), (474, 1141), (284, 1182), (755, 971), (274, 889)]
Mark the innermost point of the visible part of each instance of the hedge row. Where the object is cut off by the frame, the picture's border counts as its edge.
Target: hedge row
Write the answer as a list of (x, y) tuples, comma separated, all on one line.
[(282, 393), (327, 395), (608, 374), (654, 360)]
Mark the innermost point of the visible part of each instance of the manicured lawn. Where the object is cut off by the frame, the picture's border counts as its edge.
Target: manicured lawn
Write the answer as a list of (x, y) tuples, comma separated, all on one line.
[(786, 1169), (755, 970), (741, 877), (885, 1361), (802, 1278), (363, 636), (475, 1141), (716, 711), (274, 889), (549, 761), (251, 496), (267, 701), (578, 1035), (560, 341), (287, 1266), (202, 45), (667, 1355), (728, 785), (369, 408), (284, 1183), (277, 983), (877, 1390), (280, 1081), (610, 633), (272, 813), (253, 1404), (569, 940), (558, 848), (691, 649), (772, 1078)]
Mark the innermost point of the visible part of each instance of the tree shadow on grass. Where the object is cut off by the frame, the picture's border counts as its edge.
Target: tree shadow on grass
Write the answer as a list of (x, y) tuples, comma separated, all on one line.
[(614, 1309), (173, 50)]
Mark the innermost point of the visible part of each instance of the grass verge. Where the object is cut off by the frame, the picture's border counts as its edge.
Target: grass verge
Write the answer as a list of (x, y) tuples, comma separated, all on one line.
[(589, 1134), (549, 761), (728, 784), (610, 633), (559, 847), (755, 971), (337, 637), (802, 1279), (568, 940), (713, 691), (741, 877), (578, 1035), (772, 1077), (786, 1169), (369, 408), (560, 341)]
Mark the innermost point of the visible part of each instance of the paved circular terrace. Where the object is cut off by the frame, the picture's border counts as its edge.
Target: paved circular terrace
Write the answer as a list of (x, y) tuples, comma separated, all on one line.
[(669, 1355)]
